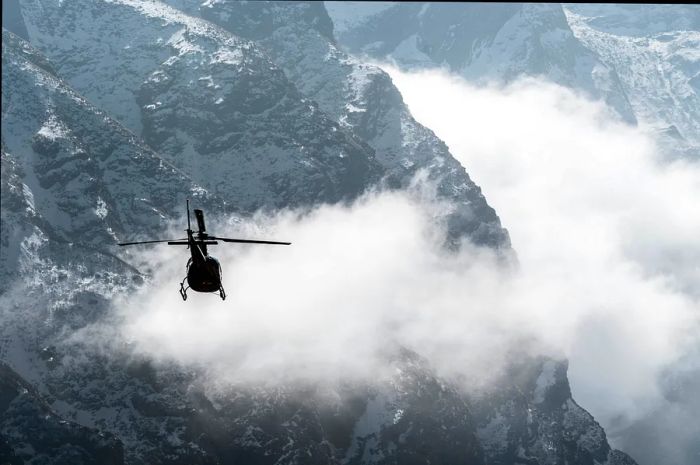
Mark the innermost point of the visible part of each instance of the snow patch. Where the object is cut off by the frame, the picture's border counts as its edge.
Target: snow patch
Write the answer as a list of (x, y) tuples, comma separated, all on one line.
[(398, 415), (354, 109), (29, 197), (101, 209), (53, 129), (180, 42), (227, 56)]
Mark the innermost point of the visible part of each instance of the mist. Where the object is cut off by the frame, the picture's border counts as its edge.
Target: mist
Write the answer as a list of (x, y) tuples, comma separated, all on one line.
[(603, 225), (358, 283)]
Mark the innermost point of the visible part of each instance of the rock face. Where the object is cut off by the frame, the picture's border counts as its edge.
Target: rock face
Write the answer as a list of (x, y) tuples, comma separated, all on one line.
[(211, 103), (71, 175), (486, 42), (30, 432), (361, 98), (531, 418), (638, 21), (657, 62), (639, 59), (74, 180)]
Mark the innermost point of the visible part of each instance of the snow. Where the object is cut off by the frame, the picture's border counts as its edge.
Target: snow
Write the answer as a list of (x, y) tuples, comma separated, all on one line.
[(180, 42), (29, 197), (360, 77), (354, 109), (207, 80), (159, 76), (29, 251), (381, 411), (101, 209), (655, 72), (227, 56), (642, 20), (53, 129), (210, 3)]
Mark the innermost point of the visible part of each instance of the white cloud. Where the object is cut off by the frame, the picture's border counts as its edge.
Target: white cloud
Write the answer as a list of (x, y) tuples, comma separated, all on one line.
[(357, 282), (607, 274), (606, 228)]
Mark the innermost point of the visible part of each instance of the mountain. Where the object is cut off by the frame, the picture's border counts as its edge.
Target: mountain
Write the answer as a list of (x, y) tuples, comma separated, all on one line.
[(210, 103), (74, 180), (654, 51), (530, 417), (361, 98), (485, 43), (640, 59), (193, 90), (30, 432), (638, 20)]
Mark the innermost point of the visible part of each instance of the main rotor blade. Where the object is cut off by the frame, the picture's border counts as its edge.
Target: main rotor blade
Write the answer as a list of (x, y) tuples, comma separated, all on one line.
[(196, 242), (150, 242), (249, 241)]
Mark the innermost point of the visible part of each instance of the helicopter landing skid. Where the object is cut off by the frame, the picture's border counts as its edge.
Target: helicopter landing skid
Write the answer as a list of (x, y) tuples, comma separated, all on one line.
[(222, 293), (183, 290)]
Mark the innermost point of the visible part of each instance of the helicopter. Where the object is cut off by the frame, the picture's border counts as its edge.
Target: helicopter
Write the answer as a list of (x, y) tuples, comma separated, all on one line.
[(203, 270)]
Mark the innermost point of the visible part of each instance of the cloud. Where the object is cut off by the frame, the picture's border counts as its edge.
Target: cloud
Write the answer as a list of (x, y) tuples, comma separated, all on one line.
[(357, 282), (604, 228)]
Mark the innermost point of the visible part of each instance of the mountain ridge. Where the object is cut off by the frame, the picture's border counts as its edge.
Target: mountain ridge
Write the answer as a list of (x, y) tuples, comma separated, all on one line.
[(137, 399)]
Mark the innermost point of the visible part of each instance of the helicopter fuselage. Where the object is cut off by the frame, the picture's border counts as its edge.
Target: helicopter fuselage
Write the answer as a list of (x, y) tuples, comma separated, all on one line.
[(204, 275), (203, 270)]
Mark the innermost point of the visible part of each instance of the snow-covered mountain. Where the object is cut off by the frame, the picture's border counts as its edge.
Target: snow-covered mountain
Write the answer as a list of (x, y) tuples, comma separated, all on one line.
[(71, 174), (656, 52), (651, 55), (361, 98), (27, 419), (209, 102), (94, 142), (642, 60), (638, 20), (485, 43)]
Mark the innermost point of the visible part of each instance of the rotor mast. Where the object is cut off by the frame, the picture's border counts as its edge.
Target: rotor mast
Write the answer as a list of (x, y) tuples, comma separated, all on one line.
[(189, 226)]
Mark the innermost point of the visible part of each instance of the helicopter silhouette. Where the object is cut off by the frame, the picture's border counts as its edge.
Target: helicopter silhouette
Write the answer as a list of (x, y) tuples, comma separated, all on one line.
[(203, 270)]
